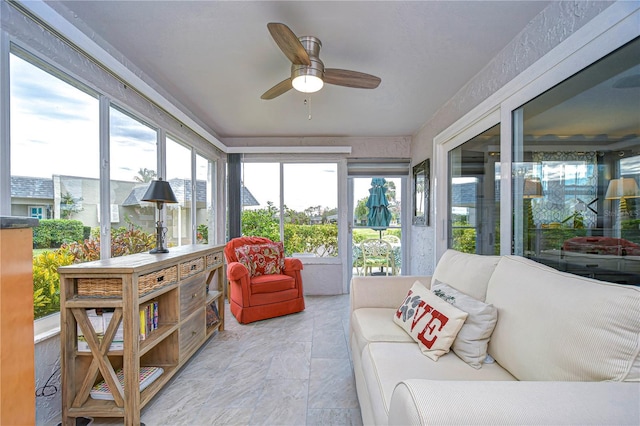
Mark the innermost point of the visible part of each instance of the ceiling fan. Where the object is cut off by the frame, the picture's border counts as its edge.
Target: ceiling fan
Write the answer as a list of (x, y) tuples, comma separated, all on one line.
[(308, 73)]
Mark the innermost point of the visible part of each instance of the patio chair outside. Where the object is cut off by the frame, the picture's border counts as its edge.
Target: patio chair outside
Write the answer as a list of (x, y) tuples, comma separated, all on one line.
[(377, 253)]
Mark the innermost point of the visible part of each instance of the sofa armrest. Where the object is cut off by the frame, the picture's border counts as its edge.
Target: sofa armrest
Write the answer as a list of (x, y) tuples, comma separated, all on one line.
[(421, 402), (383, 291)]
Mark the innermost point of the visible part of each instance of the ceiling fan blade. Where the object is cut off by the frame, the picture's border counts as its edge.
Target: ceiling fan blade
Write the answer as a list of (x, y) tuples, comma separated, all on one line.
[(277, 90), (347, 78), (289, 43)]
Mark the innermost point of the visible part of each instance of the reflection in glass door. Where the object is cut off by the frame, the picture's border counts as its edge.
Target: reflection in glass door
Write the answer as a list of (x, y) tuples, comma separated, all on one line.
[(474, 194)]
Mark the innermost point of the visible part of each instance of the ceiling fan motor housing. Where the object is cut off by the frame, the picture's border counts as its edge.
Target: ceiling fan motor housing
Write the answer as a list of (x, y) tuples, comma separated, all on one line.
[(312, 45)]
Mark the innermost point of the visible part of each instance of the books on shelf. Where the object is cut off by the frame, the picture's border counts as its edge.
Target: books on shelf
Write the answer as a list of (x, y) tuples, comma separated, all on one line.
[(117, 344), (212, 313), (97, 323), (147, 376), (100, 319), (148, 318)]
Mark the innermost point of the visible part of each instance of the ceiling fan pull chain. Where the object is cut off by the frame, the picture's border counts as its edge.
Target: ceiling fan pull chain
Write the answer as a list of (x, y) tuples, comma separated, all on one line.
[(307, 102)]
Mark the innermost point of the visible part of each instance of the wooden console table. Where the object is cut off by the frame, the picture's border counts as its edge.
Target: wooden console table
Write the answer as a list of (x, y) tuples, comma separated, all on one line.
[(190, 307)]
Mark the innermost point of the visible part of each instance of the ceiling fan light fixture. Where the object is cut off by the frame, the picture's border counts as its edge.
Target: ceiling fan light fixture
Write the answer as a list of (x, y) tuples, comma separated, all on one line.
[(308, 78), (307, 83)]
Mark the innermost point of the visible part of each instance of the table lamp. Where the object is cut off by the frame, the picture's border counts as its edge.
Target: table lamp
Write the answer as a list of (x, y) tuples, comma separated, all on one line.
[(621, 189), (160, 192)]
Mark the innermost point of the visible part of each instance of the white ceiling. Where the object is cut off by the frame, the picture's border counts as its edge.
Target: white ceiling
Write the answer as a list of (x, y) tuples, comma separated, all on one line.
[(217, 57)]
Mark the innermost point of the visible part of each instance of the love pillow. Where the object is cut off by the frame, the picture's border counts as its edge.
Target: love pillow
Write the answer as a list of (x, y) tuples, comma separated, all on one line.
[(429, 320)]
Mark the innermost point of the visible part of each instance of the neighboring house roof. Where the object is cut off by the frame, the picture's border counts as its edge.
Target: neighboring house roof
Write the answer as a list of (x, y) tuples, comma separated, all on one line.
[(31, 187), (134, 197), (247, 198), (181, 189)]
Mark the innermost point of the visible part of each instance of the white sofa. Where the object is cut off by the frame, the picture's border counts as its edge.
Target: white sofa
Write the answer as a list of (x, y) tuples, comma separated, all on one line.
[(566, 349)]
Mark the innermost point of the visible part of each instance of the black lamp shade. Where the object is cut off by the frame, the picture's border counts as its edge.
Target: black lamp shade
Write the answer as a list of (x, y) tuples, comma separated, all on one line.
[(160, 191)]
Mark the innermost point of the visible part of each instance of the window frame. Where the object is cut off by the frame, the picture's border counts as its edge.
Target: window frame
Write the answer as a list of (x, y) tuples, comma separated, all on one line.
[(48, 326), (610, 30), (341, 196)]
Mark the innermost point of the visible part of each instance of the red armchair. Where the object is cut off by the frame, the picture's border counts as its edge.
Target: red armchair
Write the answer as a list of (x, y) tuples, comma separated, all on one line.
[(254, 298)]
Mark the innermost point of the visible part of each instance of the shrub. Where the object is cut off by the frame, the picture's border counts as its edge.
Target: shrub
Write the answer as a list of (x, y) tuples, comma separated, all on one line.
[(52, 233), (202, 234), (124, 241), (321, 240), (46, 281)]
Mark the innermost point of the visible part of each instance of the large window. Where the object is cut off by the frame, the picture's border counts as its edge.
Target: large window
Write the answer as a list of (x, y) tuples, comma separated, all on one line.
[(576, 172), (55, 164), (474, 194), (133, 153), (179, 177), (205, 229), (54, 169), (306, 213)]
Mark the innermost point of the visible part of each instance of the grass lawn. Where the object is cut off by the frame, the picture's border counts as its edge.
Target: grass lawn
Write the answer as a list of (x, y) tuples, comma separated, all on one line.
[(36, 252)]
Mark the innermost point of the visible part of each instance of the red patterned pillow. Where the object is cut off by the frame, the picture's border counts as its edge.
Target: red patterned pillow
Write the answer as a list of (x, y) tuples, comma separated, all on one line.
[(262, 259)]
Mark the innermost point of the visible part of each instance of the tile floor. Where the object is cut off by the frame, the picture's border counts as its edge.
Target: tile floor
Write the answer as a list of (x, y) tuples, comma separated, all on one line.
[(291, 370)]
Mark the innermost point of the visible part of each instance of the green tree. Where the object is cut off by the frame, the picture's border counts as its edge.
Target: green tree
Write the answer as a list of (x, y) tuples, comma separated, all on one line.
[(391, 191), (145, 175), (262, 222), (69, 205), (361, 211)]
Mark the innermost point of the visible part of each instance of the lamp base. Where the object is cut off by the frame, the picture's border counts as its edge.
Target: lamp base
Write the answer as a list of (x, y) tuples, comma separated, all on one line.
[(160, 231), (159, 250)]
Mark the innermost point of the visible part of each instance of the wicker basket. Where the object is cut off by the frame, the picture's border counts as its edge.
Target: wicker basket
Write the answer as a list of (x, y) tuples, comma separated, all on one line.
[(99, 287), (156, 280), (112, 287), (191, 267), (214, 259)]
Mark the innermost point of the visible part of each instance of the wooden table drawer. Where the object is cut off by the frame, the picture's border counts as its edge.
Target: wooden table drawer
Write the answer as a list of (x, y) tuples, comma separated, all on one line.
[(192, 332), (192, 294), (191, 267), (214, 259)]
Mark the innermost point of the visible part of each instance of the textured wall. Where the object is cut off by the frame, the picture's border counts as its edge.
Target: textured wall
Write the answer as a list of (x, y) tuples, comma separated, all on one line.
[(48, 391), (321, 279), (552, 26)]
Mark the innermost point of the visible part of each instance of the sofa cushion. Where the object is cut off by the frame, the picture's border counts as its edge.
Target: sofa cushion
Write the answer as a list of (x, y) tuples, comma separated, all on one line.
[(386, 364), (262, 259), (375, 325), (468, 273), (429, 320), (472, 340), (558, 326), (272, 283)]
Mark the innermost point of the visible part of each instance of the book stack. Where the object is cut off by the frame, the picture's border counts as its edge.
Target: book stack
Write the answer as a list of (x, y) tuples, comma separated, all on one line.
[(100, 320), (212, 314), (147, 376), (148, 318)]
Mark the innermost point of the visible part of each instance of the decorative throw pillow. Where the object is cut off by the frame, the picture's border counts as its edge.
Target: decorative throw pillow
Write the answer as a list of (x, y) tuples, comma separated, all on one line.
[(242, 254), (429, 320), (262, 259), (472, 340)]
